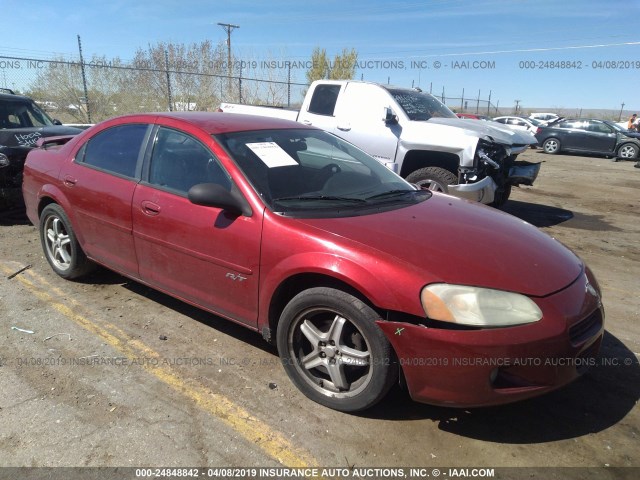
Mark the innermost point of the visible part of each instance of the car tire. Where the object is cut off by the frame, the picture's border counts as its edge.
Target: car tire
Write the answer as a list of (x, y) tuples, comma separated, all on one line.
[(551, 146), (60, 245), (502, 198), (333, 351), (628, 151), (435, 179)]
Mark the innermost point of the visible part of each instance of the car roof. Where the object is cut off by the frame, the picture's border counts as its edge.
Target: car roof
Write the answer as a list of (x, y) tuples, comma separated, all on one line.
[(216, 122), (14, 97)]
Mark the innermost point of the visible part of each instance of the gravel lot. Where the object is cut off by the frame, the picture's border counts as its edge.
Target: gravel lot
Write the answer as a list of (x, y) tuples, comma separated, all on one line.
[(116, 374)]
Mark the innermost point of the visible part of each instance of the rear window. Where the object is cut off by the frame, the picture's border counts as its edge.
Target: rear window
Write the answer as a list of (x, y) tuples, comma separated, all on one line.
[(324, 99), (116, 150)]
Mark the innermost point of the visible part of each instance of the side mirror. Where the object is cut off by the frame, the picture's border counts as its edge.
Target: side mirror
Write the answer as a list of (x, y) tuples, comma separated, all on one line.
[(214, 195), (390, 118), (57, 122)]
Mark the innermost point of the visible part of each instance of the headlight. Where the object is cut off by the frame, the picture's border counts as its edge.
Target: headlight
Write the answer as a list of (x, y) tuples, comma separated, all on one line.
[(4, 160), (479, 307)]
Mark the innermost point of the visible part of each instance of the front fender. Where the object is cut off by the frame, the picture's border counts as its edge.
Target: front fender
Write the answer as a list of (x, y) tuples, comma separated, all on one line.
[(333, 266)]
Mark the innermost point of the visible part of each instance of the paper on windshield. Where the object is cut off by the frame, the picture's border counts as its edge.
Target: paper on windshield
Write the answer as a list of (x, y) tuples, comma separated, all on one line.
[(271, 154)]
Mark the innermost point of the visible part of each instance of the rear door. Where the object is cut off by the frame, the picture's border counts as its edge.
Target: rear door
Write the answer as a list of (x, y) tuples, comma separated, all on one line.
[(99, 183), (320, 109), (354, 111), (571, 133), (200, 254)]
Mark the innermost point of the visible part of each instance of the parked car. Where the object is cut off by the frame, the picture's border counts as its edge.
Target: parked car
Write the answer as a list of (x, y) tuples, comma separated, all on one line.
[(587, 136), (355, 274), (22, 124), (520, 123), (472, 116)]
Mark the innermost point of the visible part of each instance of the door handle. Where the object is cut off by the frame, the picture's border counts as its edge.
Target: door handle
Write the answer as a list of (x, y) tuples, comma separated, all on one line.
[(344, 128), (69, 181), (150, 208), (306, 122)]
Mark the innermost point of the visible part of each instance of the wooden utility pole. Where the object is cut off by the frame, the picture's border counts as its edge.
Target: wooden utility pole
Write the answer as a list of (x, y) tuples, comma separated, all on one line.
[(228, 27)]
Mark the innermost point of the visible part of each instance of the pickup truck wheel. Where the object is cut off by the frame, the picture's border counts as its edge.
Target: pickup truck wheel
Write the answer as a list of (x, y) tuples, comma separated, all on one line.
[(628, 151), (333, 351), (551, 146), (502, 197), (435, 179), (60, 245)]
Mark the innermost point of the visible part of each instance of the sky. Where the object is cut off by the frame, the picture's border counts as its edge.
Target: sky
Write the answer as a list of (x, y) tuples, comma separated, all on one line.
[(542, 53)]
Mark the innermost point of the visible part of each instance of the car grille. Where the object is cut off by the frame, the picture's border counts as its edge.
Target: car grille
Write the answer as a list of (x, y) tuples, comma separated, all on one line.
[(585, 329)]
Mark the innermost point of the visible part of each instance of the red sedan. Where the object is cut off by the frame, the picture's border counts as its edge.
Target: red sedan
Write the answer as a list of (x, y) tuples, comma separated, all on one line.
[(358, 276)]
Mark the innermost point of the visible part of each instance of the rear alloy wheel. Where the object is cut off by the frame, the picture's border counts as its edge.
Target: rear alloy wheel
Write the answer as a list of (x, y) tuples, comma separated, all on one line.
[(60, 245), (435, 179), (628, 151), (333, 351), (551, 146)]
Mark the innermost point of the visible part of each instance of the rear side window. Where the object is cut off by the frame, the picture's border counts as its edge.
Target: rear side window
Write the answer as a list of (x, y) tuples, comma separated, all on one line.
[(116, 150), (570, 124), (324, 99), (179, 162)]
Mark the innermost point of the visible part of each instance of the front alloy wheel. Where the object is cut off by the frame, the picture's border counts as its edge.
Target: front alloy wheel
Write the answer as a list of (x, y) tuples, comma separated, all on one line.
[(333, 351), (628, 151)]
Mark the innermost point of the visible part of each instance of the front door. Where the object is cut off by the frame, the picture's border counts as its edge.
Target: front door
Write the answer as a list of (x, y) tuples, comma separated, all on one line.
[(200, 254)]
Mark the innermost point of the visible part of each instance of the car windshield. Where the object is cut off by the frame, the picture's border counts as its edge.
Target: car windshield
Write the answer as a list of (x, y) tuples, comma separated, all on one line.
[(306, 172), (617, 127), (22, 114), (420, 106)]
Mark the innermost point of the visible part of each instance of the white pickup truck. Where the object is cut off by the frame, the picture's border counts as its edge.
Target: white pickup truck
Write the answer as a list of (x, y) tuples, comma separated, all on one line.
[(417, 136)]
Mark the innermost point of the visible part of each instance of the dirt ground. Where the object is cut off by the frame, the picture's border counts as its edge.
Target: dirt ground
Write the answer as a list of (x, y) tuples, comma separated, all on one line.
[(116, 374)]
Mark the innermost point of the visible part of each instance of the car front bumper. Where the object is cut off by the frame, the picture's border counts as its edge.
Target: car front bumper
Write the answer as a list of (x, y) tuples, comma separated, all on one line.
[(482, 191), (467, 368)]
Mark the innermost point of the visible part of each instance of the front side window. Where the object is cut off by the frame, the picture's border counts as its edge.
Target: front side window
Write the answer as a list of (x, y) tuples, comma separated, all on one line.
[(598, 127), (323, 101), (179, 162), (116, 149)]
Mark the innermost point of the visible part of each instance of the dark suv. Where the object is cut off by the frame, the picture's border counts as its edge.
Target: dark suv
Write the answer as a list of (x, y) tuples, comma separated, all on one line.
[(22, 124)]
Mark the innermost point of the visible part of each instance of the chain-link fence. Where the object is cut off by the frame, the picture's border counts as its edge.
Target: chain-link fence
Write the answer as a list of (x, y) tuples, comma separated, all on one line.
[(88, 92), (196, 77)]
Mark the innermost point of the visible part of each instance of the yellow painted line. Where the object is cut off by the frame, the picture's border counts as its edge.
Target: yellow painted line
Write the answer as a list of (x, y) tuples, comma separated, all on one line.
[(254, 430)]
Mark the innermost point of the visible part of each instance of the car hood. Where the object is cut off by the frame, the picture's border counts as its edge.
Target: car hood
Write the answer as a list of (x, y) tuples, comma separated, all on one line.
[(488, 130), (458, 242), (27, 137)]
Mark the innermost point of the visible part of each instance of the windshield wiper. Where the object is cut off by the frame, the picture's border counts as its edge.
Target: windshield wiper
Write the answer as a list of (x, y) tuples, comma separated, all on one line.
[(321, 197), (393, 193)]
